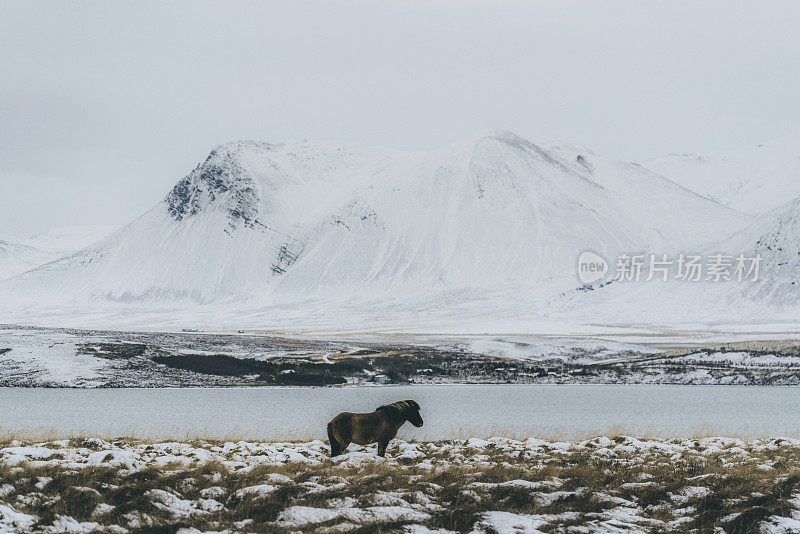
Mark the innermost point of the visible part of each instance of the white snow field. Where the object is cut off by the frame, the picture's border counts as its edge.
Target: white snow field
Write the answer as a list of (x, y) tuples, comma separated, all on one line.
[(480, 236), (18, 255)]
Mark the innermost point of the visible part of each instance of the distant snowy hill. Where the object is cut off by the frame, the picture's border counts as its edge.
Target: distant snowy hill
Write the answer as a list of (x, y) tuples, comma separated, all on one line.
[(773, 297), (18, 255), (753, 180), (776, 239), (69, 239), (273, 223)]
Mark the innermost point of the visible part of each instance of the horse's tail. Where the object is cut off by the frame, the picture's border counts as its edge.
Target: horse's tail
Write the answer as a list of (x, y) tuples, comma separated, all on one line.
[(335, 447)]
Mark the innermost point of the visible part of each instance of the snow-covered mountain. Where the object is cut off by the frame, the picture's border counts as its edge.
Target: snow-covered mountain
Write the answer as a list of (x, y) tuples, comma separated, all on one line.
[(773, 296), (755, 180), (774, 237), (289, 222), (68, 239), (18, 255)]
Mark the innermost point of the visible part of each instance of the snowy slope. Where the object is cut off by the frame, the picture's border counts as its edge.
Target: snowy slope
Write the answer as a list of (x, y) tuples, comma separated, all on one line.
[(754, 180), (68, 239), (772, 297), (18, 255), (677, 213), (776, 239), (287, 223)]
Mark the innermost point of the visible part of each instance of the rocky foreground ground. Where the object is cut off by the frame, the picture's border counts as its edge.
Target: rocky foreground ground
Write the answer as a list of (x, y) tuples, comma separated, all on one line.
[(605, 484)]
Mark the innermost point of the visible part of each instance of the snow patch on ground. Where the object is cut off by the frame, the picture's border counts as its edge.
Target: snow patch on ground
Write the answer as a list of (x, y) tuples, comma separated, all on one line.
[(218, 484)]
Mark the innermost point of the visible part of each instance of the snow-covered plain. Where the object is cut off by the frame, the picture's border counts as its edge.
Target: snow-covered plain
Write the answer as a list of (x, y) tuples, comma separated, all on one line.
[(616, 484)]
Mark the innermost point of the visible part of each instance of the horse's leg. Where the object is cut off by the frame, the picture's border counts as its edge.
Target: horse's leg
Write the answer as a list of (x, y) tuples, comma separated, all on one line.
[(335, 447), (382, 444)]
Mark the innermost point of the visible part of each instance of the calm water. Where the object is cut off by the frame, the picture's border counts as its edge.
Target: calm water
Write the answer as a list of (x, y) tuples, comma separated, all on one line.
[(567, 411)]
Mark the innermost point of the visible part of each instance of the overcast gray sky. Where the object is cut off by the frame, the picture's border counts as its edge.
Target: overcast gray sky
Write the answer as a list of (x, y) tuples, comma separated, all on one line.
[(105, 105)]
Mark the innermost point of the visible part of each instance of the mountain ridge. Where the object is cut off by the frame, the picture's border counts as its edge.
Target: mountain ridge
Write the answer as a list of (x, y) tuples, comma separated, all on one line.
[(18, 255), (755, 179), (267, 222)]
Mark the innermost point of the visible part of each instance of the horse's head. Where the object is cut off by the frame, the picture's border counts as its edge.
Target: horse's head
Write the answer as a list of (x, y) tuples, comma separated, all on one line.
[(408, 410), (413, 415)]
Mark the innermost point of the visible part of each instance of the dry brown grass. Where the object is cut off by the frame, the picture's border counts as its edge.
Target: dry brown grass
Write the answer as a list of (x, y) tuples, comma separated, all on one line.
[(42, 435), (740, 491)]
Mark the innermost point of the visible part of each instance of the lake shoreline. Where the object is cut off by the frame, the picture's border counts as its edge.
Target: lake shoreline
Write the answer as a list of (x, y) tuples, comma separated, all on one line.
[(42, 357)]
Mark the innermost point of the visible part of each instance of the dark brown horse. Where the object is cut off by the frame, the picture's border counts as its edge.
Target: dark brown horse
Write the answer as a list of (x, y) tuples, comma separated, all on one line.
[(364, 428)]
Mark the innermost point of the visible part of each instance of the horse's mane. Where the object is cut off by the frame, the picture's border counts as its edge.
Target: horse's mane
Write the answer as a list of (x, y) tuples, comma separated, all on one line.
[(402, 407)]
